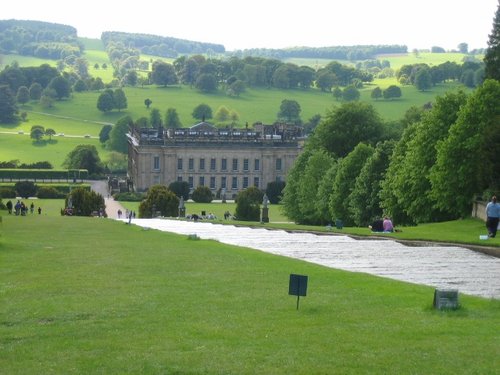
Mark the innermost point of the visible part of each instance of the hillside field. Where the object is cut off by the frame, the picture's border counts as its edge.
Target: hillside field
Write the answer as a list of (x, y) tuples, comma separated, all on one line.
[(80, 117)]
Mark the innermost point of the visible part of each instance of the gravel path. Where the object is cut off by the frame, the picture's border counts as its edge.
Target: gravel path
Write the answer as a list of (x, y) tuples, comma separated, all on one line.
[(112, 206)]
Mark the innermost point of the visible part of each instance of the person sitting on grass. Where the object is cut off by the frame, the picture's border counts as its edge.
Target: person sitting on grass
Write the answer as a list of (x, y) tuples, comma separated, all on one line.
[(377, 226), (387, 225)]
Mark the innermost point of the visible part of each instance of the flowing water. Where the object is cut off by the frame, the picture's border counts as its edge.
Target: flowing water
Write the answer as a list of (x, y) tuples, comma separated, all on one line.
[(448, 267)]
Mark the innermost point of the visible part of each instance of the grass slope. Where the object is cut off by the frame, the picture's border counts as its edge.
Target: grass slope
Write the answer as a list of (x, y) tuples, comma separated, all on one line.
[(97, 296), (79, 116)]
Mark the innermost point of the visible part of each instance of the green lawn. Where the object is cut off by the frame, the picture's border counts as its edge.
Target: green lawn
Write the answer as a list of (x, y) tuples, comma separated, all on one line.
[(396, 60), (22, 148), (275, 213), (431, 59), (89, 295)]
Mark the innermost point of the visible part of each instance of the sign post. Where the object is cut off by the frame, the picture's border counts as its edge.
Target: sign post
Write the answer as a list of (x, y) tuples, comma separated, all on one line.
[(297, 286)]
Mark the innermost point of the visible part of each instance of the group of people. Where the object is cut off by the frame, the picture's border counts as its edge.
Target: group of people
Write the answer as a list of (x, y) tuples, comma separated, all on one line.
[(20, 208), (492, 216), (128, 214), (382, 225)]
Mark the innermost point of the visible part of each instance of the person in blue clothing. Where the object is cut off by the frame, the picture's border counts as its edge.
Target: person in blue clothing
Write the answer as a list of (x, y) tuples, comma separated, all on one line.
[(492, 216)]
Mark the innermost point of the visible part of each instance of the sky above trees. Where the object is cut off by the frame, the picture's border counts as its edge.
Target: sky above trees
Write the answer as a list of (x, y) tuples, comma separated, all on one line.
[(277, 23)]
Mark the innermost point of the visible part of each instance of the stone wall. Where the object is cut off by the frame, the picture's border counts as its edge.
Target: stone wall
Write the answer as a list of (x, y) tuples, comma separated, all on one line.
[(479, 210)]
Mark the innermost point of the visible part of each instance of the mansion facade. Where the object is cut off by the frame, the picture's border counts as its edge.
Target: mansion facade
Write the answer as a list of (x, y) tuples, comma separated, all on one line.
[(228, 160)]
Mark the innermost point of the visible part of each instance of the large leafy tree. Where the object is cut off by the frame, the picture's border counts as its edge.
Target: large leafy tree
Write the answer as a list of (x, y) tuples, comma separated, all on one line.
[(222, 114), (289, 111), (104, 133), (423, 79), (325, 81), (350, 94), (35, 91), (236, 88), (120, 99), (467, 160), (189, 71), (306, 76), (391, 202), (291, 191), (172, 119), (23, 95), (50, 132), (37, 132), (155, 118), (376, 93), (364, 201), (202, 112), (206, 82), (349, 169), (324, 193), (84, 157), (316, 167), (163, 74), (392, 92), (8, 107), (105, 101), (118, 135), (61, 87), (413, 187), (346, 126), (492, 56)]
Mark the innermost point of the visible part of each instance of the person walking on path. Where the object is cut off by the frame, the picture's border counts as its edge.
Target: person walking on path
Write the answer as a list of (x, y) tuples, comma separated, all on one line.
[(112, 206), (492, 216)]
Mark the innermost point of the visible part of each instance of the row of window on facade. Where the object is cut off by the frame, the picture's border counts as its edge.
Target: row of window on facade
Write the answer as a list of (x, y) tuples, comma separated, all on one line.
[(213, 164), (235, 181)]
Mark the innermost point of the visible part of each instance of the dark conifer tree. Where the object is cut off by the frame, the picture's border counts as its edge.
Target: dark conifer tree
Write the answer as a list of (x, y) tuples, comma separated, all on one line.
[(492, 57)]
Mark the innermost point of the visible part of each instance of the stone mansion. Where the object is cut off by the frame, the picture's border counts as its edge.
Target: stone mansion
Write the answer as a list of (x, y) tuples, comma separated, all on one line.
[(228, 159)]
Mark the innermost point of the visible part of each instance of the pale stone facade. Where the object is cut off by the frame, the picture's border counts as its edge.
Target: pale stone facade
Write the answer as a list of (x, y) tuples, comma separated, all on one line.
[(221, 159)]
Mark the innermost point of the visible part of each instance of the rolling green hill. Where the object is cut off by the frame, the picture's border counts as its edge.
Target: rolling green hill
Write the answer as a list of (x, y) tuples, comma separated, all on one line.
[(80, 117)]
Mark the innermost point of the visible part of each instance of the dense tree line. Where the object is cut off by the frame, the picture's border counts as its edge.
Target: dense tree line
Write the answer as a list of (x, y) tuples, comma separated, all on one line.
[(16, 164), (334, 53), (40, 39), (355, 170), (423, 76), (159, 45), (235, 74)]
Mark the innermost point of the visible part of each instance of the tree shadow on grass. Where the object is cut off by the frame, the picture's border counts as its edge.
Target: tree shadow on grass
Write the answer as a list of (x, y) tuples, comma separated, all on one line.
[(44, 142), (11, 125)]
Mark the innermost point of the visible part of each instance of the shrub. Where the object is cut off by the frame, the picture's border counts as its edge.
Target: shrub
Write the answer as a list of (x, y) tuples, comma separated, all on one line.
[(159, 198), (247, 209), (180, 188), (47, 192), (129, 197), (202, 194), (274, 191), (253, 193), (84, 202), (6, 192), (25, 189), (248, 204)]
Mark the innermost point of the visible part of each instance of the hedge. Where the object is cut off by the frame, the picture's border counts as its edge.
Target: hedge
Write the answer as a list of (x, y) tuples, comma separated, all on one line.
[(12, 174)]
